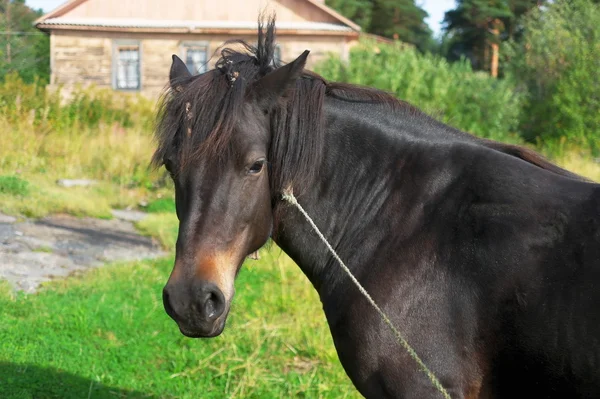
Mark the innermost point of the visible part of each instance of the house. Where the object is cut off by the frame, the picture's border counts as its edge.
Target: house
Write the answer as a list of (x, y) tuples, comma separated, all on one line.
[(127, 45)]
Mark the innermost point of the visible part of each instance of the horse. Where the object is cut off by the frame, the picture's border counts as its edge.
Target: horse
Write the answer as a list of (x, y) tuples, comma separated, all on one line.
[(485, 255)]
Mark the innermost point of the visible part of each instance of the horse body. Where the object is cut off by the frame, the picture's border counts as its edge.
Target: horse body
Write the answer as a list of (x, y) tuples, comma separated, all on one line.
[(479, 257), (483, 255)]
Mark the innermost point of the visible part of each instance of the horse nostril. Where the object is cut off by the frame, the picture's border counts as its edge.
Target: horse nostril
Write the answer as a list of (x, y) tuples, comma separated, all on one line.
[(167, 303), (212, 302)]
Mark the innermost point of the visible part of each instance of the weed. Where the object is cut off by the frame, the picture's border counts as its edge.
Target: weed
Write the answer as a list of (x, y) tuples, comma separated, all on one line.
[(13, 185)]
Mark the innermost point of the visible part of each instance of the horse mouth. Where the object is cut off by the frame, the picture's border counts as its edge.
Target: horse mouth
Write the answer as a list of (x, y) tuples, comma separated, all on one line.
[(210, 332)]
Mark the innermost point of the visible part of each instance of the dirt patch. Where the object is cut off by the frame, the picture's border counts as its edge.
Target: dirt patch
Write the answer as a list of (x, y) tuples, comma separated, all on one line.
[(36, 251)]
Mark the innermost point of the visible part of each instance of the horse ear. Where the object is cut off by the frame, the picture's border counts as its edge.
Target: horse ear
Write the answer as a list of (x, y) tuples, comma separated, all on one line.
[(269, 88), (178, 74)]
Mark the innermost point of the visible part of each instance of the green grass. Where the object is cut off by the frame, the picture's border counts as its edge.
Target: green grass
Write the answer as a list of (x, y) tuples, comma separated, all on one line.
[(106, 335), (161, 205), (13, 185), (162, 226)]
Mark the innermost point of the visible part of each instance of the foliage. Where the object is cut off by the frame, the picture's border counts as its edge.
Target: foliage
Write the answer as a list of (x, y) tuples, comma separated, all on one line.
[(23, 49), (451, 92), (401, 20), (13, 185), (474, 26), (42, 109), (107, 334), (359, 11), (560, 72)]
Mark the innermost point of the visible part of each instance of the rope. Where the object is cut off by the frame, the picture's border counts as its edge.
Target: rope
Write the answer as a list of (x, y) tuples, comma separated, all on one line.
[(289, 197)]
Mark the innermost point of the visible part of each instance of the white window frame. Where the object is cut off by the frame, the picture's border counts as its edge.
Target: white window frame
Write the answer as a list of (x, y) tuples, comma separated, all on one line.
[(278, 54), (185, 46), (117, 46)]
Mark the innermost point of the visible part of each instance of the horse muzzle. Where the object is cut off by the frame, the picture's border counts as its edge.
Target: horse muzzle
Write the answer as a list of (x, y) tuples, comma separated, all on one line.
[(199, 311)]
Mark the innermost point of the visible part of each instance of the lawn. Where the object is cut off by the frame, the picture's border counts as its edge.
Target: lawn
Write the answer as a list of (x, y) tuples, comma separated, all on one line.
[(105, 335)]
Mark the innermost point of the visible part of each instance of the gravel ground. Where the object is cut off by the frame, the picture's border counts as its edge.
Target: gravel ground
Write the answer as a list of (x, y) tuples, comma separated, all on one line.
[(35, 251)]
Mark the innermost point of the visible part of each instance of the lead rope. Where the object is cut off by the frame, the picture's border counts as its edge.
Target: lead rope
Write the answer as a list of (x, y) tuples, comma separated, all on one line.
[(289, 197)]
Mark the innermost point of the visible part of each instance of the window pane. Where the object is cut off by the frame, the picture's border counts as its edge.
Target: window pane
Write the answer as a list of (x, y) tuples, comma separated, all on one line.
[(195, 59), (128, 67), (277, 55)]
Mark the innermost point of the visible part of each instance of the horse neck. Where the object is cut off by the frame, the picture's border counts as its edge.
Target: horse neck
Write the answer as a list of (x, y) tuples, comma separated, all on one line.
[(356, 196)]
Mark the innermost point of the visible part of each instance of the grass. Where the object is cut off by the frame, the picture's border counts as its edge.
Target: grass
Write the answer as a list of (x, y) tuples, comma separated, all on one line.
[(118, 159), (161, 205), (162, 226), (13, 185), (106, 335)]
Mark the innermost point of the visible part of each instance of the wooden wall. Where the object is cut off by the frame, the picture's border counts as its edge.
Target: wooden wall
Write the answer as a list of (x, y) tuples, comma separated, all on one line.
[(86, 57)]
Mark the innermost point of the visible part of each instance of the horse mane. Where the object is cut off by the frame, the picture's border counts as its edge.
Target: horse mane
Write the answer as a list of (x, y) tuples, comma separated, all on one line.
[(188, 129)]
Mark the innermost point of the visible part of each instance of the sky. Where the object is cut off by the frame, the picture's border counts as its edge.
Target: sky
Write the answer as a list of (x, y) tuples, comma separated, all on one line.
[(435, 9)]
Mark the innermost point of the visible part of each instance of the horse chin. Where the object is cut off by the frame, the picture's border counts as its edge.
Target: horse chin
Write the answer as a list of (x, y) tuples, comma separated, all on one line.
[(210, 332)]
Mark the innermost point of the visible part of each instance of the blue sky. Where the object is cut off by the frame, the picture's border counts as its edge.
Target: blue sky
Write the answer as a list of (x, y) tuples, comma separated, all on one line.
[(435, 8)]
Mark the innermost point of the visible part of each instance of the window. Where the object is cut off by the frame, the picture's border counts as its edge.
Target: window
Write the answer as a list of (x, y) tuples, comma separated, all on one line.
[(126, 66), (277, 55), (195, 56), (277, 60)]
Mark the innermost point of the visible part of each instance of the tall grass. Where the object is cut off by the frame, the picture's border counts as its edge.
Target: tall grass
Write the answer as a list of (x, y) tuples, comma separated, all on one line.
[(34, 105), (96, 134)]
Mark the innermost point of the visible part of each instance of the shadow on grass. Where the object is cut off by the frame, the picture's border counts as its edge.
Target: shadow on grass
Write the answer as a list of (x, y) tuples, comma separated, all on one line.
[(27, 381)]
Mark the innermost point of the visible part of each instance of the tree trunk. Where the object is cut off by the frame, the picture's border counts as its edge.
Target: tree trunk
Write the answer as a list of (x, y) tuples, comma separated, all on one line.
[(494, 63), (495, 48), (8, 49)]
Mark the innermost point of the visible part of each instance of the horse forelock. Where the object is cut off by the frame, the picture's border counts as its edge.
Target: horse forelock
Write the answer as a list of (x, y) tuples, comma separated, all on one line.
[(197, 118)]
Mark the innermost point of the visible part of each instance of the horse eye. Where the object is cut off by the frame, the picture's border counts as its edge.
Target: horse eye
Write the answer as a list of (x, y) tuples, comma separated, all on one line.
[(256, 167)]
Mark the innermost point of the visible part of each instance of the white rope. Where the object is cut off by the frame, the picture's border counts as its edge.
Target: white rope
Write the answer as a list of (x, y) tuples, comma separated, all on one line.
[(289, 197)]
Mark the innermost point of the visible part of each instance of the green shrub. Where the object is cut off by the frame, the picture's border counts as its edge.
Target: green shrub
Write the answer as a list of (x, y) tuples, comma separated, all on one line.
[(33, 104), (558, 63), (450, 92), (13, 185)]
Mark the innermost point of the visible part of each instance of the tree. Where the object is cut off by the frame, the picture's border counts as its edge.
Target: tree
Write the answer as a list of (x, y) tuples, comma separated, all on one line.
[(22, 47), (476, 28), (557, 62), (359, 11), (396, 19), (402, 20)]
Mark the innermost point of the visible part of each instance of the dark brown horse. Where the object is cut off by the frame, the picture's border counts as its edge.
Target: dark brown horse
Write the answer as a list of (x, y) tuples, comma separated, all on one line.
[(485, 256)]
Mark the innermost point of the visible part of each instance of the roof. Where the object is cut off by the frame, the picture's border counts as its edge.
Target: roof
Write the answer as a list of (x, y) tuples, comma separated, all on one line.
[(55, 19)]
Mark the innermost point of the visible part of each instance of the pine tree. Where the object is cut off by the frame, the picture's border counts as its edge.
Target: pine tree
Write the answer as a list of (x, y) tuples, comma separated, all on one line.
[(359, 11), (475, 27), (402, 20)]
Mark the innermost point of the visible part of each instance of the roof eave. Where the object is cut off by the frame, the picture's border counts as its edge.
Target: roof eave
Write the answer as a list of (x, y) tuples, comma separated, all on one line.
[(281, 32), (335, 14), (60, 10)]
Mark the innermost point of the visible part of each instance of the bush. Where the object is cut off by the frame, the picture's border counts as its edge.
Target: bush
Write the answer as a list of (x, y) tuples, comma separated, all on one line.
[(557, 62), (450, 92), (40, 108)]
